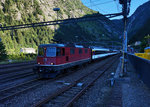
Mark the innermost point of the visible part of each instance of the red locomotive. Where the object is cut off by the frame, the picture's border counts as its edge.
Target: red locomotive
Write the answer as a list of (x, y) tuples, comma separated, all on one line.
[(55, 58)]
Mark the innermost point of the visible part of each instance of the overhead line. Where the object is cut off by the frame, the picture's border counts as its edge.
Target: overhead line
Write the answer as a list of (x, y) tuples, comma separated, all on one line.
[(103, 3), (90, 2), (58, 22)]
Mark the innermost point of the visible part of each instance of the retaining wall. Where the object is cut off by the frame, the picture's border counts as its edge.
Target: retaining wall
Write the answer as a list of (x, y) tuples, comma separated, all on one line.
[(141, 66)]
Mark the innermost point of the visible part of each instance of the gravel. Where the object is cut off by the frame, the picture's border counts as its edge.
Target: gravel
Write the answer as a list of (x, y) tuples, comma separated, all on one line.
[(17, 81), (98, 94), (135, 92), (31, 97)]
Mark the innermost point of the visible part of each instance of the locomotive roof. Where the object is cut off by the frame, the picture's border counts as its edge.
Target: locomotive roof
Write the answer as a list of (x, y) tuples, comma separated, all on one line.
[(52, 45), (100, 49), (147, 48), (61, 45)]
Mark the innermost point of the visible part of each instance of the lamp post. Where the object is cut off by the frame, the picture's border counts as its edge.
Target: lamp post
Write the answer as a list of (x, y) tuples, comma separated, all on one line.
[(56, 9)]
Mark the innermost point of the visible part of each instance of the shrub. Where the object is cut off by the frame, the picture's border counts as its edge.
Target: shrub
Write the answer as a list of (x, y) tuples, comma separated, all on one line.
[(3, 54)]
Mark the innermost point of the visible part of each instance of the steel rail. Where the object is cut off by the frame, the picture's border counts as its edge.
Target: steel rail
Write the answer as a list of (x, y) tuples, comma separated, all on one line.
[(38, 83), (8, 70), (65, 88), (88, 86), (3, 66), (10, 89), (24, 90), (14, 77)]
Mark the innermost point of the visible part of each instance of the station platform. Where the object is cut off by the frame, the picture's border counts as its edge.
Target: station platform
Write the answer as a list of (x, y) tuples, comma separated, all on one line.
[(129, 90)]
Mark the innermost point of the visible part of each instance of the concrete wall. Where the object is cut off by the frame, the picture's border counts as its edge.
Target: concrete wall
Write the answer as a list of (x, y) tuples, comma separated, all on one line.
[(141, 66)]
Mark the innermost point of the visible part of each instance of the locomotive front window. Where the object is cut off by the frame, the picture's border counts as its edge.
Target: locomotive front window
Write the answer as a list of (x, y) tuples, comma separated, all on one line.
[(41, 51), (51, 51)]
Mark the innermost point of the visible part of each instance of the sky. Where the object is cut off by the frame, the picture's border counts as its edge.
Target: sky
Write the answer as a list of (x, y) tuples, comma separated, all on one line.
[(111, 6)]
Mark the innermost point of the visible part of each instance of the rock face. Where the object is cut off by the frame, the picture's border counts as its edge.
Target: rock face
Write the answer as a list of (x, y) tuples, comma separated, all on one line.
[(137, 26), (139, 18), (16, 12)]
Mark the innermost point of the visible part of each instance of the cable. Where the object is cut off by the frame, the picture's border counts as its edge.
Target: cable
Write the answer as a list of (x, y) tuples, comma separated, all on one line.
[(90, 2), (98, 8), (103, 3), (117, 4)]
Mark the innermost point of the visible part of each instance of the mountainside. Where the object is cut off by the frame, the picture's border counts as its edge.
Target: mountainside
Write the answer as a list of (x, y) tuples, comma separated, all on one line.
[(138, 23), (15, 12), (139, 20)]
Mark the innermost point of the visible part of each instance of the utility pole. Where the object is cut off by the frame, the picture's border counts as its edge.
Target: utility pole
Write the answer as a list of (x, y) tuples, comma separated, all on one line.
[(125, 11)]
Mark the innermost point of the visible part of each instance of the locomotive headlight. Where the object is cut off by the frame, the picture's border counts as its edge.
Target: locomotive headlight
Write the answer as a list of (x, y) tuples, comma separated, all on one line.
[(52, 63)]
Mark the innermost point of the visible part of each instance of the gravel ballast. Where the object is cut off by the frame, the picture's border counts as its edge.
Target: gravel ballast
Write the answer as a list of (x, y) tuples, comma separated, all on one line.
[(31, 97), (133, 92)]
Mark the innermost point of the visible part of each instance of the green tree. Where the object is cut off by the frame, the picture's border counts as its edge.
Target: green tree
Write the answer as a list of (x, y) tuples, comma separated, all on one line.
[(3, 54), (148, 39)]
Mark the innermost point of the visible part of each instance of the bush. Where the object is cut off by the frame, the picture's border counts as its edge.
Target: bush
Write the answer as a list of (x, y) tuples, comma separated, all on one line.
[(3, 54), (22, 56)]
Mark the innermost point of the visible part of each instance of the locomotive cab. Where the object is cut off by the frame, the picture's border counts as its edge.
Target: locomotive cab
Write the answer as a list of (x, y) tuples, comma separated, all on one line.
[(44, 53), (47, 60)]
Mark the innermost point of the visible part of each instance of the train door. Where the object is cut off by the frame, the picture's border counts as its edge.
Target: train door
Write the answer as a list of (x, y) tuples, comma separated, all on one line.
[(67, 53), (63, 54)]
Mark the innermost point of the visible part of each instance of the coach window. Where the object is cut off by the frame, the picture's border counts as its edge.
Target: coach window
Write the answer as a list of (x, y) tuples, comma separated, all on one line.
[(80, 51), (72, 51), (86, 50), (100, 52), (58, 53), (63, 51)]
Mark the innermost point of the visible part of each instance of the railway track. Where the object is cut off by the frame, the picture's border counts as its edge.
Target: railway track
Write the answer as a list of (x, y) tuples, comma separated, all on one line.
[(17, 89), (10, 92), (11, 72), (5, 69), (19, 75), (68, 94), (3, 66)]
